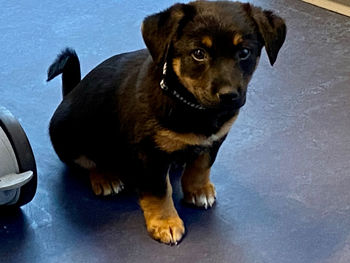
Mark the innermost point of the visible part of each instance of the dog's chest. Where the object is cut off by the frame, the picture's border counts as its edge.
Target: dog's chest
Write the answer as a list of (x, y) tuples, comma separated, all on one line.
[(171, 141)]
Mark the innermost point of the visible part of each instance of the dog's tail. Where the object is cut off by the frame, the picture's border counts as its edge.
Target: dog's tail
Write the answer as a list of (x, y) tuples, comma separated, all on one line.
[(67, 63)]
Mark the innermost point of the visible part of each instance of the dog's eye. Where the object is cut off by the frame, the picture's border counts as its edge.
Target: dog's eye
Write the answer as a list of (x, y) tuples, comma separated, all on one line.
[(199, 54), (244, 54)]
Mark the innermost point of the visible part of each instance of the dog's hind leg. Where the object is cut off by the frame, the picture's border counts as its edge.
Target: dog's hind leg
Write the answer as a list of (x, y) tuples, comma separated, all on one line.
[(102, 182), (105, 183)]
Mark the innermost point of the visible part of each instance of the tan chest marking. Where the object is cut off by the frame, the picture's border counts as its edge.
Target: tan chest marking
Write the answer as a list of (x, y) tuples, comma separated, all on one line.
[(171, 141)]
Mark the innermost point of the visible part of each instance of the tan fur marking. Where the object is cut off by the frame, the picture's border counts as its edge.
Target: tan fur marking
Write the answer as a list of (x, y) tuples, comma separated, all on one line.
[(224, 90), (189, 83), (197, 87), (171, 141), (197, 173), (196, 185), (207, 41), (237, 39), (162, 220), (178, 14), (177, 66)]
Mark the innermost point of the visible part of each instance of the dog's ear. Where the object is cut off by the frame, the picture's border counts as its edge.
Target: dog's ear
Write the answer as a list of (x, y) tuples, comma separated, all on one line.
[(272, 30), (158, 30)]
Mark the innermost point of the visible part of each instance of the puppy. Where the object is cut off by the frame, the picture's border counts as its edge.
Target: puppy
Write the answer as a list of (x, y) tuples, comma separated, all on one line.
[(136, 113)]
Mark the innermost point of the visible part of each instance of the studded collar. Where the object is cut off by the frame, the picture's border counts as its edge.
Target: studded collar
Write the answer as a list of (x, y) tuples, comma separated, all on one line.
[(176, 94)]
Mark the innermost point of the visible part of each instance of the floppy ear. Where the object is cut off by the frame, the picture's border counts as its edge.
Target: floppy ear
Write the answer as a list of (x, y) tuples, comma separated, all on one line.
[(159, 29), (272, 29)]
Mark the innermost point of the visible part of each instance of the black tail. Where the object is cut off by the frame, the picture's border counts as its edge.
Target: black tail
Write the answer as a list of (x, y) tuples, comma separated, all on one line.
[(67, 63)]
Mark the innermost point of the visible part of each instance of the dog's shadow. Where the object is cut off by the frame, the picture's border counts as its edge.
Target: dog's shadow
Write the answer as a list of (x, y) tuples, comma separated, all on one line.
[(80, 207)]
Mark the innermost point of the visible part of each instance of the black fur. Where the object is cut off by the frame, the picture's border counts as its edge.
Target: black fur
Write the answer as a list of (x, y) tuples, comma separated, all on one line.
[(67, 64), (117, 115), (113, 114)]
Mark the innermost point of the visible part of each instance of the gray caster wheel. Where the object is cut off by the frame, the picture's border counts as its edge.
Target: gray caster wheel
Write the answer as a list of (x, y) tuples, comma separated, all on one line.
[(18, 174)]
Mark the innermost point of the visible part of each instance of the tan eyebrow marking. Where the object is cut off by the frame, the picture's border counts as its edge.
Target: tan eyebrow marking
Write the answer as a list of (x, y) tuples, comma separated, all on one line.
[(207, 41), (237, 39)]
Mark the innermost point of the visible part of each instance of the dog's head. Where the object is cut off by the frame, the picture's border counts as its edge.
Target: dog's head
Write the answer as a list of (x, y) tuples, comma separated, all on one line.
[(214, 47)]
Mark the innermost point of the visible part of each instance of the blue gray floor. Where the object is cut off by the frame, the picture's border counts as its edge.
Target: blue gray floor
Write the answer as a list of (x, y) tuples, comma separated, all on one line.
[(282, 176)]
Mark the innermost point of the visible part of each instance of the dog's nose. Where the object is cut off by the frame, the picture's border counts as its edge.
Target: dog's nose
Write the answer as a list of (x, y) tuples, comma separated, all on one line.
[(229, 98), (232, 100)]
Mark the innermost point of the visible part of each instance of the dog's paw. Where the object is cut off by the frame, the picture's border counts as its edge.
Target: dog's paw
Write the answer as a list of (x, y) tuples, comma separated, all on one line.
[(202, 197), (167, 230), (105, 185)]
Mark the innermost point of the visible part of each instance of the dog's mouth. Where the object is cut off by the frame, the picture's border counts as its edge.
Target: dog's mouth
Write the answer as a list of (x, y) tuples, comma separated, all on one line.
[(227, 102)]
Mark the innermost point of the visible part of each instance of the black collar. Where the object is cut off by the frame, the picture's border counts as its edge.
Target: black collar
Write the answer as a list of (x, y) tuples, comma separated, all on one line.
[(177, 94)]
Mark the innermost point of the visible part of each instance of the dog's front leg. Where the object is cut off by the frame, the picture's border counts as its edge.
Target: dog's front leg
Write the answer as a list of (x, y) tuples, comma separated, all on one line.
[(196, 185), (162, 220)]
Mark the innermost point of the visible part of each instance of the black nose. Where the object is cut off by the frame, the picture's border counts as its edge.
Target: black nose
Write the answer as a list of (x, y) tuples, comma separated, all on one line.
[(233, 100), (229, 98)]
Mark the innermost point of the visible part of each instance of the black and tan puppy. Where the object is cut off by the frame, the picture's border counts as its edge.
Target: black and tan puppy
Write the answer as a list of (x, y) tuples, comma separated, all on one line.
[(136, 113)]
